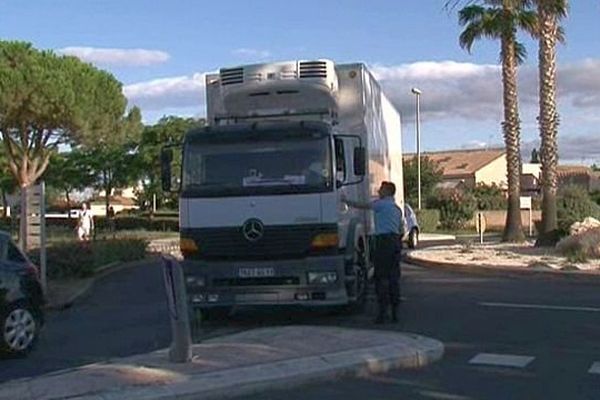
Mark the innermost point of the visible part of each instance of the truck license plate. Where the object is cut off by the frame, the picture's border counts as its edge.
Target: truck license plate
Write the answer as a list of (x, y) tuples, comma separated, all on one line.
[(256, 272)]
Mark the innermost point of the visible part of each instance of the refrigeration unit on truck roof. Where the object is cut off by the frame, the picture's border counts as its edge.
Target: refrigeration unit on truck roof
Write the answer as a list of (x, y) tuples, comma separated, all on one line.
[(298, 88)]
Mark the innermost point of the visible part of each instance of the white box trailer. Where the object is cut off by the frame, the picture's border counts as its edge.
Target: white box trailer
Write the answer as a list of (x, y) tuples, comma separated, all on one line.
[(260, 212)]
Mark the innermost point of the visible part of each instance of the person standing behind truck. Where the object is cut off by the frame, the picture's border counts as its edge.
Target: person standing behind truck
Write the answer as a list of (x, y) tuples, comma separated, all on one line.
[(85, 225), (387, 248)]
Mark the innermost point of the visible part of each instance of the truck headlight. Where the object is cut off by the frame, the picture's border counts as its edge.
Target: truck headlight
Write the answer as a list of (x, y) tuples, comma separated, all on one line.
[(322, 278)]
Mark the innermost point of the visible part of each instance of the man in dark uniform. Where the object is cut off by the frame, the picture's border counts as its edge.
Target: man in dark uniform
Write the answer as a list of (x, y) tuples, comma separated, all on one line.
[(389, 223)]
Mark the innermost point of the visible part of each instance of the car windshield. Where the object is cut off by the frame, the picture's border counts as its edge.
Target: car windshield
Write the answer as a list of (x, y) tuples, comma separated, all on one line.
[(297, 165)]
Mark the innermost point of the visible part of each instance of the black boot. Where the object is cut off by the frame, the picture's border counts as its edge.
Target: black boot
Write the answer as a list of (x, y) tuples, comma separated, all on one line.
[(381, 312), (394, 312)]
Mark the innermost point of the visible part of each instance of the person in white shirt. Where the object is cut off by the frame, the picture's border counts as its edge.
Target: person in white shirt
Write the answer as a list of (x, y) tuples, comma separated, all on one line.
[(85, 226)]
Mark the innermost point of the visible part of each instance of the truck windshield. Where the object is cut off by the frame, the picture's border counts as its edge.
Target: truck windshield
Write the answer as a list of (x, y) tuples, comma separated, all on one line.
[(299, 165)]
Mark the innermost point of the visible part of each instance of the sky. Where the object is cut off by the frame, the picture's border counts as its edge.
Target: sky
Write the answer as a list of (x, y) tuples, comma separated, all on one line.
[(160, 51)]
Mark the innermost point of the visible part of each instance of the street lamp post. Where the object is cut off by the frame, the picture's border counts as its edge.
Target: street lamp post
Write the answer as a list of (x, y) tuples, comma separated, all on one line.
[(417, 94)]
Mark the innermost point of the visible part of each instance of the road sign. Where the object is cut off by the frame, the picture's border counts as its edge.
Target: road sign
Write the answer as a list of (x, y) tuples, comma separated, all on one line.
[(33, 232), (525, 202)]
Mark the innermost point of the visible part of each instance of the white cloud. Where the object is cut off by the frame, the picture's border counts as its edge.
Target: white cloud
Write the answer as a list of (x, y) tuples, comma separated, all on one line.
[(472, 91), (475, 144), (452, 91), (117, 57), (251, 53), (168, 93)]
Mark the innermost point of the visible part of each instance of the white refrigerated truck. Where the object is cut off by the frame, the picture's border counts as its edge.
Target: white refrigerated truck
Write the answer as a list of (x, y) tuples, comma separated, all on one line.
[(261, 220)]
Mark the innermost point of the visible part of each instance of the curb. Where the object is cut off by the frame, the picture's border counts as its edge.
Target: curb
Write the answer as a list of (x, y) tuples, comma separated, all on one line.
[(287, 373), (499, 270), (101, 272)]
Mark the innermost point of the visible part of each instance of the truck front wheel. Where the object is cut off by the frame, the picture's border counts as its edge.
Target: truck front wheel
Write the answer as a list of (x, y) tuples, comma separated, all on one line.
[(358, 291)]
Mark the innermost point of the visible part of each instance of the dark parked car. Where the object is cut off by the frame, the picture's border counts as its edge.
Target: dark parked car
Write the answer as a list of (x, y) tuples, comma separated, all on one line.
[(411, 233), (21, 300)]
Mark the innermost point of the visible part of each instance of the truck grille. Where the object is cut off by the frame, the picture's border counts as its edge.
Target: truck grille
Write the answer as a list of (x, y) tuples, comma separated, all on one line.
[(313, 69), (230, 76), (281, 241)]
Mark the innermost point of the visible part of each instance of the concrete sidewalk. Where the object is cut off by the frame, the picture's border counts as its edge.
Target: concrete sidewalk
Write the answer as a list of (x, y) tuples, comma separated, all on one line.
[(260, 359)]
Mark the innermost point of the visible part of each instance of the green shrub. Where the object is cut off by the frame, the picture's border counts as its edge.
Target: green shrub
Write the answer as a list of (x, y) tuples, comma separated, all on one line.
[(80, 260), (456, 207), (428, 219), (574, 204), (489, 197), (5, 224), (579, 248)]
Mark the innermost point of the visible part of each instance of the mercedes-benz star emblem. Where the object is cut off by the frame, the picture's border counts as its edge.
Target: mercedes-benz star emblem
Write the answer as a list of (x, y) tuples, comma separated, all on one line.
[(253, 229)]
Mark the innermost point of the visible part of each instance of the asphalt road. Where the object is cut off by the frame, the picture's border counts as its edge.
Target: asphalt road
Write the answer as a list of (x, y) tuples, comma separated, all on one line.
[(547, 328), (553, 320)]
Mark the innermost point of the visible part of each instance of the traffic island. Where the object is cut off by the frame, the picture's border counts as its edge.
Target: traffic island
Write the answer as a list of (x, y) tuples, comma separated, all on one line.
[(524, 257), (243, 363)]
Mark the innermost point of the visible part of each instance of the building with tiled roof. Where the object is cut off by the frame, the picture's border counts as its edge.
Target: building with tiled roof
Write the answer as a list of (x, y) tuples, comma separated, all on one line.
[(578, 175), (469, 167)]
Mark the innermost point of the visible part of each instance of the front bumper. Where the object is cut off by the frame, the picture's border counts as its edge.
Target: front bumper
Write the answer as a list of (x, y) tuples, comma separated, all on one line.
[(287, 284)]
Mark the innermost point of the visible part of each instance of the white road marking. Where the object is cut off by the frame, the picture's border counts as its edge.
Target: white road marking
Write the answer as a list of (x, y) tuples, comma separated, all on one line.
[(501, 360), (540, 307), (595, 368)]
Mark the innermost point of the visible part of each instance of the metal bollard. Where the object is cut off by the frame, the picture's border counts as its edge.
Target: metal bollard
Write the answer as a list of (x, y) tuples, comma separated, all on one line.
[(181, 346)]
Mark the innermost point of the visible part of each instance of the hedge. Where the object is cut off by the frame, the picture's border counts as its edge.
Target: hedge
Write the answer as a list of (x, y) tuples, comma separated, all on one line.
[(80, 260), (121, 223), (428, 219)]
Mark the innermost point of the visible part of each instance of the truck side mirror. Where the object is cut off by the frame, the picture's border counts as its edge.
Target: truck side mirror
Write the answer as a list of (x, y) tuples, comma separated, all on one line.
[(360, 161), (166, 157)]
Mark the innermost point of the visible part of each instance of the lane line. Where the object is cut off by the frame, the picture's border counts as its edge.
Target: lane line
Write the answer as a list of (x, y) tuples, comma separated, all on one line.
[(539, 307), (501, 360), (595, 368)]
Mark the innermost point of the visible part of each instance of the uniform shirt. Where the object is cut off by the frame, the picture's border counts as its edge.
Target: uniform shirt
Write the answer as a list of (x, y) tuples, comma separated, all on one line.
[(388, 216)]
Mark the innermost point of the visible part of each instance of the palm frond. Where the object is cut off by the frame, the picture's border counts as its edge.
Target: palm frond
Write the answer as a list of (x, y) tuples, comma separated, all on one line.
[(560, 35), (529, 22), (471, 14), (471, 33), (520, 52), (560, 8)]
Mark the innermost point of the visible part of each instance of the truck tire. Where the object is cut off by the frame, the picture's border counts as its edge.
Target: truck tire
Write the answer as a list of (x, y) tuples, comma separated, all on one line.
[(361, 282)]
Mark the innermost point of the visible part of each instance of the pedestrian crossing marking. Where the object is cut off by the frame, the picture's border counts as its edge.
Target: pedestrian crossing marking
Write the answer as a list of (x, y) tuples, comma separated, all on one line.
[(595, 368), (501, 360)]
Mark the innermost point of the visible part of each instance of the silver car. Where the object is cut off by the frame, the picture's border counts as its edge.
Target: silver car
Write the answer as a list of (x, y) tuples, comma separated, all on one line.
[(411, 231)]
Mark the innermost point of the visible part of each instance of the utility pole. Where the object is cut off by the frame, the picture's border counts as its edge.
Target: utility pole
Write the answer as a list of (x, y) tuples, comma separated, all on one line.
[(417, 94)]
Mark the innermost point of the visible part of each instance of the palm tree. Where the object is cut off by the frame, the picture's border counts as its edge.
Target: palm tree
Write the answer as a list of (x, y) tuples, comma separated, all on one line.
[(501, 19), (549, 14)]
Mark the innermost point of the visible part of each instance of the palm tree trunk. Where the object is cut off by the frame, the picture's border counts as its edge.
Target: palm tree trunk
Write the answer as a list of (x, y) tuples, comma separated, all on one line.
[(548, 123), (513, 231)]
